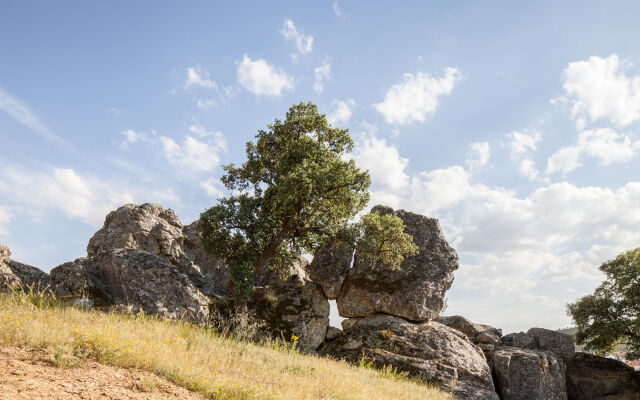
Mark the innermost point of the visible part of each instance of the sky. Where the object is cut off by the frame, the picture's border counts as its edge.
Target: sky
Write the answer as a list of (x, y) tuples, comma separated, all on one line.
[(516, 124)]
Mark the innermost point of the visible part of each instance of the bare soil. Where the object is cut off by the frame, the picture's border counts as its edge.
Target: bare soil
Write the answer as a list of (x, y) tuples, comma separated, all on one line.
[(30, 374)]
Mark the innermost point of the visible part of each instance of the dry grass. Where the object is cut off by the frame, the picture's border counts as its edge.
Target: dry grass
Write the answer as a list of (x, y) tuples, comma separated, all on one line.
[(196, 358)]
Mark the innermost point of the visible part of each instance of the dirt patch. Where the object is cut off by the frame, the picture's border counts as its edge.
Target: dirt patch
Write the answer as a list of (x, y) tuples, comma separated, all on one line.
[(27, 374)]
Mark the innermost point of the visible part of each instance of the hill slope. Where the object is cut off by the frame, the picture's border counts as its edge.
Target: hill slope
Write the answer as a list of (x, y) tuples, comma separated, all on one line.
[(193, 357)]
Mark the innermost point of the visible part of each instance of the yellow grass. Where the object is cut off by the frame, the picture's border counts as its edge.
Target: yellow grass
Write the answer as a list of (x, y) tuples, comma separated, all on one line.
[(197, 358)]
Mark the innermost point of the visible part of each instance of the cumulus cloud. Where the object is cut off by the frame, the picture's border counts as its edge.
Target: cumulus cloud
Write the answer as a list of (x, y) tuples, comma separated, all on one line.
[(341, 112), (212, 187), (303, 43), (522, 142), (383, 161), (193, 155), (262, 79), (528, 169), (85, 197), (131, 136), (23, 114), (480, 154), (199, 77), (599, 88), (417, 97), (322, 73), (605, 145)]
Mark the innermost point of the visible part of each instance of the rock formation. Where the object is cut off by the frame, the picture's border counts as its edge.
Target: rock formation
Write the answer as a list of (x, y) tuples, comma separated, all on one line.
[(15, 274), (429, 350), (330, 266), (135, 279), (528, 374), (293, 306), (590, 377), (414, 292)]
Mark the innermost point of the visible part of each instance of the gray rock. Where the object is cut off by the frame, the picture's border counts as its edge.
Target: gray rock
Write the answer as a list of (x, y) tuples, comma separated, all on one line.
[(520, 340), (158, 231), (553, 341), (330, 266), (135, 279), (590, 377), (332, 333), (348, 323), (416, 291), (430, 351), (470, 329), (296, 306), (487, 337), (15, 274), (528, 374)]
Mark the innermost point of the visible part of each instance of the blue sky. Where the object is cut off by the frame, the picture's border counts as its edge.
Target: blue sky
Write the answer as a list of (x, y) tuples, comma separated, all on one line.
[(514, 123)]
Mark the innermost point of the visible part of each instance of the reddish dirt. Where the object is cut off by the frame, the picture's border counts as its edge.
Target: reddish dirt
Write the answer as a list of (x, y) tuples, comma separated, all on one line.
[(27, 374)]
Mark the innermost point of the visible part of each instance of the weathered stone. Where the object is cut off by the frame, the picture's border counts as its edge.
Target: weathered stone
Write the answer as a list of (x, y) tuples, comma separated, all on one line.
[(553, 341), (295, 306), (332, 333), (590, 377), (132, 278), (330, 266), (487, 337), (415, 291), (158, 231), (15, 274), (430, 351), (212, 273), (528, 374), (349, 322), (519, 340), (470, 329)]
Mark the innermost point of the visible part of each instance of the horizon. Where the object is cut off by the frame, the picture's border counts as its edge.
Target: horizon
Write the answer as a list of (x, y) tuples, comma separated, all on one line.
[(515, 126)]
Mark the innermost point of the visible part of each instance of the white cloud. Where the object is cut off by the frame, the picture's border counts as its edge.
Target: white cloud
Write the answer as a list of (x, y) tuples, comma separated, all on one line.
[(218, 137), (383, 161), (21, 113), (193, 155), (480, 154), (522, 142), (206, 104), (417, 97), (131, 136), (322, 73), (337, 10), (342, 111), (605, 145), (212, 188), (528, 169), (262, 79), (85, 197), (199, 77), (303, 43), (599, 88)]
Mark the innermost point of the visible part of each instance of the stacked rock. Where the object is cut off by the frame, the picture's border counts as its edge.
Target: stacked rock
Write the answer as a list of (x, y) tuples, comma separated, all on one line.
[(390, 312), (15, 274)]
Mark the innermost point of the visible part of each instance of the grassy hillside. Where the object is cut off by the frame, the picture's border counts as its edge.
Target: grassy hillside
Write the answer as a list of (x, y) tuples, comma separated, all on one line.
[(194, 357)]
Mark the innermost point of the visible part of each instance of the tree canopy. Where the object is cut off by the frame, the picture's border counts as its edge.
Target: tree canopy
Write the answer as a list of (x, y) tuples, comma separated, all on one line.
[(611, 315), (297, 190)]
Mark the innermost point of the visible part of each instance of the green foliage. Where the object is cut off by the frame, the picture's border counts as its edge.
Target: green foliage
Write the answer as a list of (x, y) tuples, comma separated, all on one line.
[(382, 241), (297, 190), (611, 315)]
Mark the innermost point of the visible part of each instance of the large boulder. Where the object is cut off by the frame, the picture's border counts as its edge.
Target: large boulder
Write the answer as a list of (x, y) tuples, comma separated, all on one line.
[(292, 306), (15, 274), (158, 231), (430, 351), (553, 341), (330, 266), (415, 291), (472, 330), (134, 279), (590, 377), (522, 374)]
